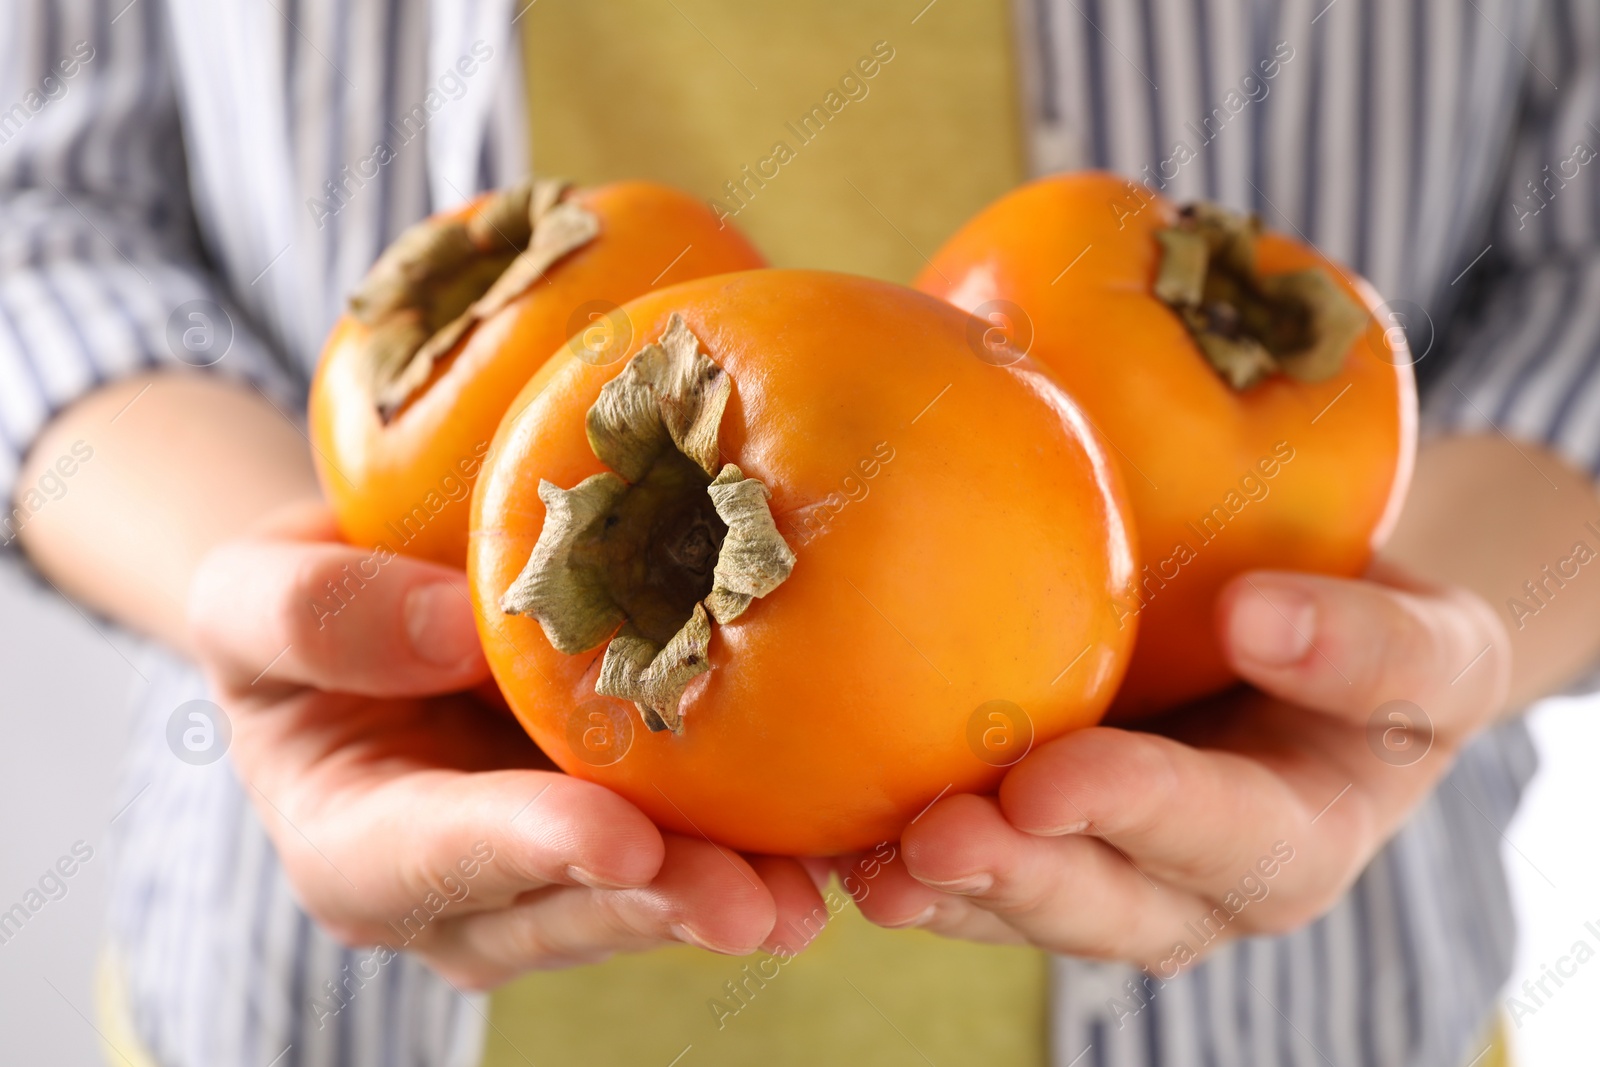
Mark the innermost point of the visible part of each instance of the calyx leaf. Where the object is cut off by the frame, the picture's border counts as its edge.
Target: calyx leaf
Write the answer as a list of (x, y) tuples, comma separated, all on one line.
[(636, 536), (670, 395), (570, 600), (655, 676), (442, 277), (755, 559), (1250, 326)]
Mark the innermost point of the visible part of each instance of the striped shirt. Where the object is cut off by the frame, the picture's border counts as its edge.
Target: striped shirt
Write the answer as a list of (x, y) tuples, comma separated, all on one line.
[(162, 159)]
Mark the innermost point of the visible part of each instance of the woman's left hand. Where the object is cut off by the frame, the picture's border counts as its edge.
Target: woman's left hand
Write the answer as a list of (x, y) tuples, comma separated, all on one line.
[(1266, 802)]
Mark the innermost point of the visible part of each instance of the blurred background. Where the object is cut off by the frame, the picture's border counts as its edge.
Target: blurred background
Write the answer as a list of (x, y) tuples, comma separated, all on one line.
[(66, 683)]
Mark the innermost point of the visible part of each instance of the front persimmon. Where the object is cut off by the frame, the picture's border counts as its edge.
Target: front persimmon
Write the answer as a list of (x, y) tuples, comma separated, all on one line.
[(1261, 414), (454, 318), (799, 564)]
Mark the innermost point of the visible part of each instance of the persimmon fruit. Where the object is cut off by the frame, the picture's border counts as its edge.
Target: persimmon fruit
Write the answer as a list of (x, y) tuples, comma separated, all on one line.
[(800, 563), (1262, 415), (457, 314)]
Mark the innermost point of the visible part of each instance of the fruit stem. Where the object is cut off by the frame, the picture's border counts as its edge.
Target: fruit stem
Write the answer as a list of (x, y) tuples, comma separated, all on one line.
[(1250, 326)]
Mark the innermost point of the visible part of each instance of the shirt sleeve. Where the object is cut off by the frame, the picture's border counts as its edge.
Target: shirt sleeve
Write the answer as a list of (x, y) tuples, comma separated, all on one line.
[(101, 272), (1526, 360)]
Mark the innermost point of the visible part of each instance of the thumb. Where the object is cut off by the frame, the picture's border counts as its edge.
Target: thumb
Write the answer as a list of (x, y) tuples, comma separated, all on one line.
[(335, 618), (1345, 646)]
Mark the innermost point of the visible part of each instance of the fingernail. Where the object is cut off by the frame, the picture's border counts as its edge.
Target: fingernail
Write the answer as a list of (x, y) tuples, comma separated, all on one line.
[(1061, 831), (968, 886), (689, 937), (593, 881), (922, 918), (1272, 624), (439, 623)]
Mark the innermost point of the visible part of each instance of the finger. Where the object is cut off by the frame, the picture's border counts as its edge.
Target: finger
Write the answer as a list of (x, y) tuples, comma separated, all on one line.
[(477, 841), (303, 520), (801, 912), (896, 900), (1178, 815), (704, 895), (335, 618), (543, 828), (893, 898), (819, 868), (1346, 646), (1071, 894)]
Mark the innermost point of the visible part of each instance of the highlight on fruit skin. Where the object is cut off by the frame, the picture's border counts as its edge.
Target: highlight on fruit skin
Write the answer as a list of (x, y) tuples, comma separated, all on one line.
[(456, 315), (1260, 411), (799, 563)]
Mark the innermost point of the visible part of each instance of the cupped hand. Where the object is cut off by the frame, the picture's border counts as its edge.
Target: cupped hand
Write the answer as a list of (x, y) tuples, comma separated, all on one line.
[(409, 814), (1251, 813)]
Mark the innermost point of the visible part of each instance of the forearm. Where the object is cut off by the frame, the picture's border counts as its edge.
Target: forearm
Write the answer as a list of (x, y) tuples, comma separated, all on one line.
[(177, 464), (1490, 515)]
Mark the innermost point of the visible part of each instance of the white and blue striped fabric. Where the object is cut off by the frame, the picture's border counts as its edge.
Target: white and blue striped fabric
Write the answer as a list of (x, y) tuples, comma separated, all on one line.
[(1449, 150), (1444, 148)]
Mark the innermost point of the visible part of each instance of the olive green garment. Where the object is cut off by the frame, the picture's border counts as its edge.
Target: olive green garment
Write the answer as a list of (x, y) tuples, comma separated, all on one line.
[(691, 93), (858, 994)]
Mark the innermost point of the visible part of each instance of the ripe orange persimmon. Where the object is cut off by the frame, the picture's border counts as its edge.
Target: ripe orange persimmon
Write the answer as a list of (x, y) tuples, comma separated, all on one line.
[(1261, 415), (835, 562), (456, 315)]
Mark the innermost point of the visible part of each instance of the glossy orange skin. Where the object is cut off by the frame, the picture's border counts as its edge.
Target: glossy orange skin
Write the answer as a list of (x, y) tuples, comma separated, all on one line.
[(974, 564), (408, 485), (1183, 437)]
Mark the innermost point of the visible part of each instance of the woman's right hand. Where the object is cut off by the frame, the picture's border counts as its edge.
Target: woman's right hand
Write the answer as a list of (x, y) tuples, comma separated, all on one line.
[(393, 795)]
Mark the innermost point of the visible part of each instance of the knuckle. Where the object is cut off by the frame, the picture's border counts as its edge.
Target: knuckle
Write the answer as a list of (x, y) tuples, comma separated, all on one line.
[(1426, 644), (417, 865), (466, 971), (524, 942), (951, 918), (1409, 652), (1045, 903), (411, 873), (883, 909), (534, 943), (294, 609), (529, 942), (620, 922), (1487, 630), (1028, 897), (1160, 783)]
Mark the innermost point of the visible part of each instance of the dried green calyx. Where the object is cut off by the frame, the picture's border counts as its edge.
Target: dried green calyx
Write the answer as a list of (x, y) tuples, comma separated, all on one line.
[(649, 553), (441, 277), (1249, 325)]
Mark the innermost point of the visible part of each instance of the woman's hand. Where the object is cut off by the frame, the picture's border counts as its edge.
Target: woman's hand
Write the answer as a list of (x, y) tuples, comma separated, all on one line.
[(1251, 813), (383, 783)]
